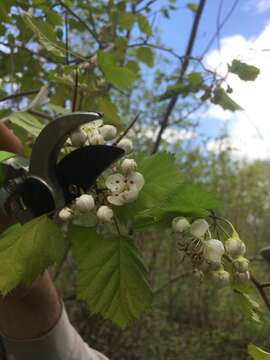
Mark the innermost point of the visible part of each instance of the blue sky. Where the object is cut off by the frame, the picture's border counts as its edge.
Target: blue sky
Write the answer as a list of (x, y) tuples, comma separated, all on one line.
[(246, 29)]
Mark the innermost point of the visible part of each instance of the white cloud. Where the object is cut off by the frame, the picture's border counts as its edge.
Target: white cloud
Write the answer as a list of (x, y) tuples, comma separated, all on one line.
[(261, 5), (250, 129)]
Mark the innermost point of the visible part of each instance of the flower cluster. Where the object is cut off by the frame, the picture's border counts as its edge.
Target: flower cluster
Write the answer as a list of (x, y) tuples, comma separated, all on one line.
[(120, 185), (207, 255)]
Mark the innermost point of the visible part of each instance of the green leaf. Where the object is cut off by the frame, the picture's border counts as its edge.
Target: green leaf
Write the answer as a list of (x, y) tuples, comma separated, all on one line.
[(127, 20), (5, 155), (195, 80), (120, 77), (27, 251), (192, 6), (225, 101), (144, 24), (257, 353), (244, 71), (173, 90), (59, 109), (111, 275), (248, 306), (145, 54), (106, 106), (26, 121), (186, 200)]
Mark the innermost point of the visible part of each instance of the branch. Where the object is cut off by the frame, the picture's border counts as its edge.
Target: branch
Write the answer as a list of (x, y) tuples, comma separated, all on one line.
[(158, 47), (75, 93), (41, 114), (185, 64), (77, 17), (19, 94), (260, 288), (127, 129)]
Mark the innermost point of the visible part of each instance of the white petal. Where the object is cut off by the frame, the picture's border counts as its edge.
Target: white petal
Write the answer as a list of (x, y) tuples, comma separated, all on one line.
[(135, 180), (85, 203), (180, 224), (115, 183), (213, 250), (128, 166), (78, 138), (97, 139), (109, 132), (105, 213), (235, 247), (126, 145), (116, 199), (130, 195), (199, 227)]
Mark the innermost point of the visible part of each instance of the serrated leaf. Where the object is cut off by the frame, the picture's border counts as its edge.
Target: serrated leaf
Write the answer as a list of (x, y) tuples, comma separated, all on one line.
[(59, 109), (248, 306), (145, 54), (257, 353), (244, 71), (224, 100), (192, 6), (195, 80), (185, 200), (120, 77), (26, 252), (111, 275), (127, 20), (144, 24), (26, 121)]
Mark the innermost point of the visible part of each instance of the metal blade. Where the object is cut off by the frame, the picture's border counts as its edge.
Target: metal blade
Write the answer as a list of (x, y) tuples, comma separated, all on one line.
[(81, 167)]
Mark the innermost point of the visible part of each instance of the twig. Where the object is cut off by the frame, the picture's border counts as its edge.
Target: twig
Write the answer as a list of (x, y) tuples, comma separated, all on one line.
[(116, 225), (227, 17), (264, 285), (67, 37), (77, 17), (185, 64), (20, 94), (158, 47), (260, 289), (171, 281), (127, 130), (218, 22), (40, 114), (62, 262), (75, 93)]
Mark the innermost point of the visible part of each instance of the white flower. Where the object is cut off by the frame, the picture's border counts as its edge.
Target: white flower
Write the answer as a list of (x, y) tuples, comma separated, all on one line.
[(235, 247), (78, 138), (213, 250), (65, 214), (92, 128), (221, 278), (180, 224), (128, 166), (199, 228), (85, 203), (97, 139), (124, 189), (241, 264), (126, 145), (108, 132), (105, 213)]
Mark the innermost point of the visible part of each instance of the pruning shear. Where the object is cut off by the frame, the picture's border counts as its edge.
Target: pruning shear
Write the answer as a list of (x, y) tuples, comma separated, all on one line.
[(48, 184)]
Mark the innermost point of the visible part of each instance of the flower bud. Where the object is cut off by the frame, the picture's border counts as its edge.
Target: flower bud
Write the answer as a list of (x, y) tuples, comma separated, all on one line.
[(241, 264), (105, 214), (213, 250), (128, 166), (78, 138), (108, 132), (126, 145), (221, 278), (65, 214), (235, 247), (180, 224), (97, 139), (85, 203), (242, 277), (199, 228)]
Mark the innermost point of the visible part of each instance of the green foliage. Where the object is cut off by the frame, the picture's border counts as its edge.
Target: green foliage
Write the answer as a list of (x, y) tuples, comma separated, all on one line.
[(25, 251), (224, 100), (192, 6), (257, 353), (244, 71), (5, 155), (111, 275), (27, 122), (145, 54), (118, 76), (248, 306), (144, 24)]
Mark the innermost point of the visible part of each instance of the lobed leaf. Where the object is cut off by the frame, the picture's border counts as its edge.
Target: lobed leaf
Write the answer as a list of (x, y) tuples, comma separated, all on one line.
[(26, 121), (111, 275), (224, 100), (244, 71), (27, 250)]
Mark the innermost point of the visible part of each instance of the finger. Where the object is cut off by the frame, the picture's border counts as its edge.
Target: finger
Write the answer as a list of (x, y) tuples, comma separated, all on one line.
[(9, 141)]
